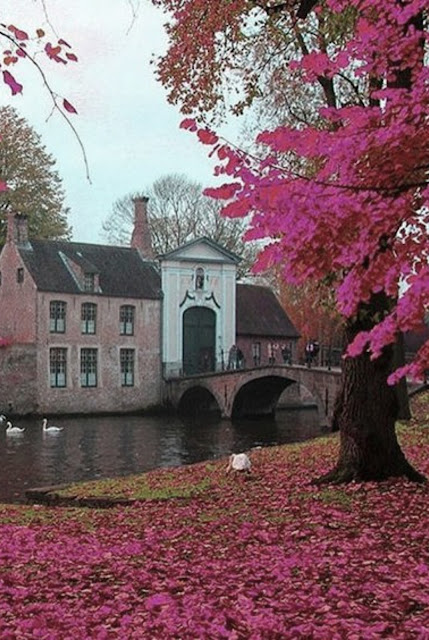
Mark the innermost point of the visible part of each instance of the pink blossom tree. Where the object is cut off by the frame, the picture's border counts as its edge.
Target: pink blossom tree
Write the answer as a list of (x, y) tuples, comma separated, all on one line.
[(343, 199)]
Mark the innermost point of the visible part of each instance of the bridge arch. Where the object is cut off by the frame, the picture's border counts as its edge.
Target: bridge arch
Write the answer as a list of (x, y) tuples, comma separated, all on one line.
[(259, 396), (253, 392), (198, 399)]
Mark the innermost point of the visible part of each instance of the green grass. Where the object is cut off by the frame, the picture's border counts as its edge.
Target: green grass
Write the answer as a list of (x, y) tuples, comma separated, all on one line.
[(136, 488)]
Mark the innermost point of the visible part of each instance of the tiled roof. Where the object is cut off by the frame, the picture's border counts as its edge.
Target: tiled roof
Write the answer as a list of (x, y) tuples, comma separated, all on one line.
[(259, 313), (122, 272)]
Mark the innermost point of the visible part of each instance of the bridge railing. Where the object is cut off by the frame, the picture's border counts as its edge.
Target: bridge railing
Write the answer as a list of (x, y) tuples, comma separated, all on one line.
[(177, 370)]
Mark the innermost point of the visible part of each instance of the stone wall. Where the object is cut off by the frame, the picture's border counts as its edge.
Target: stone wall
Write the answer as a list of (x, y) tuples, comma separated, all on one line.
[(108, 395), (18, 379), (17, 298)]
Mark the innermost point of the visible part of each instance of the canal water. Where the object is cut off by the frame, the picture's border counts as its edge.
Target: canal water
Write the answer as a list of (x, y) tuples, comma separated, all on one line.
[(99, 447)]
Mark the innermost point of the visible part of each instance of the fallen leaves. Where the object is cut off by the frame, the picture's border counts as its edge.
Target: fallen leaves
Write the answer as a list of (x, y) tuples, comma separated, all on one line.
[(268, 558)]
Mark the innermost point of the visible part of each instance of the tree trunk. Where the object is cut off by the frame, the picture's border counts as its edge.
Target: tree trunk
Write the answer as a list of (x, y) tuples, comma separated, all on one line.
[(365, 413)]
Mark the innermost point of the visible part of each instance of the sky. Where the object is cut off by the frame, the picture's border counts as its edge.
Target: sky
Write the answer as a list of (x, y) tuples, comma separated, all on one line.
[(130, 133)]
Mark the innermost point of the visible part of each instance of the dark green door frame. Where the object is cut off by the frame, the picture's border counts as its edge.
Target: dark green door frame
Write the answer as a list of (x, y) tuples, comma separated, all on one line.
[(199, 340)]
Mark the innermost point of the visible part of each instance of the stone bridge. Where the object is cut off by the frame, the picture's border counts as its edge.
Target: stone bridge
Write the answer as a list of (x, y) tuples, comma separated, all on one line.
[(252, 392)]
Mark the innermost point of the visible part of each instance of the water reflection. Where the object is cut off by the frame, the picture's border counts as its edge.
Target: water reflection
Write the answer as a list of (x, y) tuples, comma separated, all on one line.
[(89, 448)]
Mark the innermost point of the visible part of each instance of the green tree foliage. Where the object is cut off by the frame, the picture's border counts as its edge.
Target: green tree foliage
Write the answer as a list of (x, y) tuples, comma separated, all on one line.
[(34, 186)]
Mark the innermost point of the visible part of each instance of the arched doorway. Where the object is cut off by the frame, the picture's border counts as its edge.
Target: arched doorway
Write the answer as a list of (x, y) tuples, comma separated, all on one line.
[(199, 340)]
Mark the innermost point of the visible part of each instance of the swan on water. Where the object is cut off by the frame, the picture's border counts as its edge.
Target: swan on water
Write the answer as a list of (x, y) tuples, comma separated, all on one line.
[(51, 428), (239, 462), (2, 418), (13, 430)]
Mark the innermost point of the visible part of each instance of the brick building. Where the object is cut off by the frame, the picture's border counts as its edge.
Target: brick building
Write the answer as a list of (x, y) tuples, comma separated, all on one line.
[(94, 328), (84, 325), (265, 333)]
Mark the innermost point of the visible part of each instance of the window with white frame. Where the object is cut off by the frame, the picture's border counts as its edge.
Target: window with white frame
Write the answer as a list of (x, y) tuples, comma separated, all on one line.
[(88, 317), (57, 316), (88, 367), (88, 282), (58, 367), (127, 357), (126, 320)]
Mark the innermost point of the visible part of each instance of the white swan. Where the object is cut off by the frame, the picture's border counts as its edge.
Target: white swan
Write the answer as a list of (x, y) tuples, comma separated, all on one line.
[(2, 418), (50, 428), (11, 430), (239, 462)]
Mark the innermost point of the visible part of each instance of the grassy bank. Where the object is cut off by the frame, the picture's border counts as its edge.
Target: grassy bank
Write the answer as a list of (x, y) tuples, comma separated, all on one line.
[(204, 555)]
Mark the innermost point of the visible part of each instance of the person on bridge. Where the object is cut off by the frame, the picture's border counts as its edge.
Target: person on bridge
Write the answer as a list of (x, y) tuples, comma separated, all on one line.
[(240, 359), (232, 358), (287, 354)]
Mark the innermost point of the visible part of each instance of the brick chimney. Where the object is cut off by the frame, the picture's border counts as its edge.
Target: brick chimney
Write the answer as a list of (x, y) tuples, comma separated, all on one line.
[(17, 228), (141, 238)]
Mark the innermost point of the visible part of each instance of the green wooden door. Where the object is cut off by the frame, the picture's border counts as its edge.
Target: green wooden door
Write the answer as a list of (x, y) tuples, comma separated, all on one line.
[(199, 340)]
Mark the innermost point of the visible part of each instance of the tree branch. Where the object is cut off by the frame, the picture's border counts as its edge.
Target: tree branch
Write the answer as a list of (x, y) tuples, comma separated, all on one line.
[(54, 96), (305, 7)]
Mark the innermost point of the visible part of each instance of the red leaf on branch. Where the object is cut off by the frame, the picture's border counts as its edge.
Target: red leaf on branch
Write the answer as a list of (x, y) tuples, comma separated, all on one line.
[(188, 123), (68, 106), (10, 60), (13, 84), (18, 33), (207, 137), (224, 192), (71, 56), (52, 52)]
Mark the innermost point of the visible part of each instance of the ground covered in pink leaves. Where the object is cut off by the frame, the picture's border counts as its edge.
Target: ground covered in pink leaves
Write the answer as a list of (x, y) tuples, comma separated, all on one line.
[(209, 556)]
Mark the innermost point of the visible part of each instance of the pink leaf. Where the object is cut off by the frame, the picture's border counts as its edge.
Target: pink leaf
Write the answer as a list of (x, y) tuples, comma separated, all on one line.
[(207, 137), (225, 192), (68, 106), (19, 35), (53, 52), (13, 84), (188, 123)]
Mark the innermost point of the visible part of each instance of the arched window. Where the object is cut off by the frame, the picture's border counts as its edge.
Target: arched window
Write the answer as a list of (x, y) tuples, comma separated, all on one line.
[(199, 278)]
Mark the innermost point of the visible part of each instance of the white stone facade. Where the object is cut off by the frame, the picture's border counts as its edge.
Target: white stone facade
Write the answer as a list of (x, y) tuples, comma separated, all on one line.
[(199, 274)]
